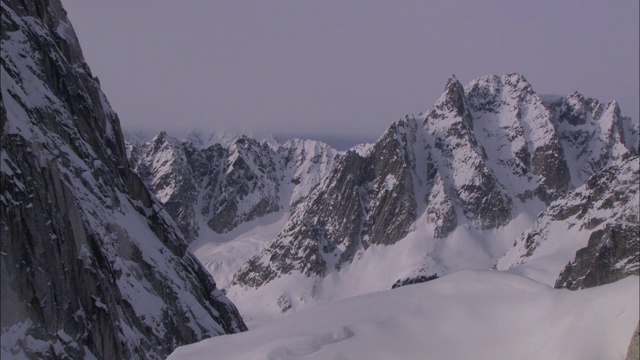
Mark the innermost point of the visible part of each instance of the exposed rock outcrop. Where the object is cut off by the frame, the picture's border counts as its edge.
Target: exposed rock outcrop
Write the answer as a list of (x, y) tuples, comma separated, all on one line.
[(414, 280), (613, 250)]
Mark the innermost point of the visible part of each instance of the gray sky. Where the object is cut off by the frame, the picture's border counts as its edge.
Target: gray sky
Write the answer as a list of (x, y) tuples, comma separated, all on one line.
[(342, 70)]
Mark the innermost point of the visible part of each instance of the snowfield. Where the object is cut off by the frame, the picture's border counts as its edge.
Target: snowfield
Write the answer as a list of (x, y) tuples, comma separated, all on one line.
[(374, 269), (465, 315)]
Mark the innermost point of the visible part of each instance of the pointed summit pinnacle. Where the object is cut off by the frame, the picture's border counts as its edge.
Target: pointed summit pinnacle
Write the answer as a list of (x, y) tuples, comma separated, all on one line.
[(454, 92)]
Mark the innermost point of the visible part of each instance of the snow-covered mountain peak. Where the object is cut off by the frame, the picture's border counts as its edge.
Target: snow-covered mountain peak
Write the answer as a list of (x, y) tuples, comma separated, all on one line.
[(592, 133), (164, 138), (305, 143), (449, 189), (137, 136), (202, 139), (484, 93), (490, 92)]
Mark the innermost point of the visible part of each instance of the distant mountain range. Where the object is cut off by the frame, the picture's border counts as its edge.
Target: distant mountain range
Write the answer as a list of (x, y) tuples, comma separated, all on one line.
[(493, 175)]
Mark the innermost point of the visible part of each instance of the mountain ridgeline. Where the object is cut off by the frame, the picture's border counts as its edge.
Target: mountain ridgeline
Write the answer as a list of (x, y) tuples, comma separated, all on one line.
[(228, 184), (482, 155), (91, 266)]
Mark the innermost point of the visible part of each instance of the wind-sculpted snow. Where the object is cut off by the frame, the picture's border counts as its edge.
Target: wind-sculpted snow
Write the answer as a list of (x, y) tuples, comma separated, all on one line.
[(466, 315), (91, 265)]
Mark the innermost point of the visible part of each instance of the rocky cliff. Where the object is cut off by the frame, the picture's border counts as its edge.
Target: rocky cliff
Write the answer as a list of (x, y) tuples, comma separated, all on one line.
[(91, 264)]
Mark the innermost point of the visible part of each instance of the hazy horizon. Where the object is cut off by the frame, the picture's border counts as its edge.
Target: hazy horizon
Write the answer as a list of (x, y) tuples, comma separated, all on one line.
[(342, 71)]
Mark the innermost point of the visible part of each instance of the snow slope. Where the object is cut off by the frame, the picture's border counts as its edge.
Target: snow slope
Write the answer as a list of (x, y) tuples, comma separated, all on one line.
[(374, 269), (466, 315)]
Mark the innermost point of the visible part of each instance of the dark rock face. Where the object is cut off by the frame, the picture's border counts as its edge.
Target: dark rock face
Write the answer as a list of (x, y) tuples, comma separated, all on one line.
[(462, 161), (385, 186), (592, 133), (441, 212), (91, 266), (549, 163), (612, 254), (175, 188), (414, 280), (251, 171), (613, 251), (515, 118), (604, 210), (455, 102)]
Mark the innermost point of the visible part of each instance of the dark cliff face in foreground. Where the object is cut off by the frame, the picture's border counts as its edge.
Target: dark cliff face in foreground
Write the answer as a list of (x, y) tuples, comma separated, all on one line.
[(90, 263)]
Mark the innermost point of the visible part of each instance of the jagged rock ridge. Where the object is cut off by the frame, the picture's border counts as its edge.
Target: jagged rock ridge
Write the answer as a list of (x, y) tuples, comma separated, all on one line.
[(91, 266), (475, 158), (228, 184)]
